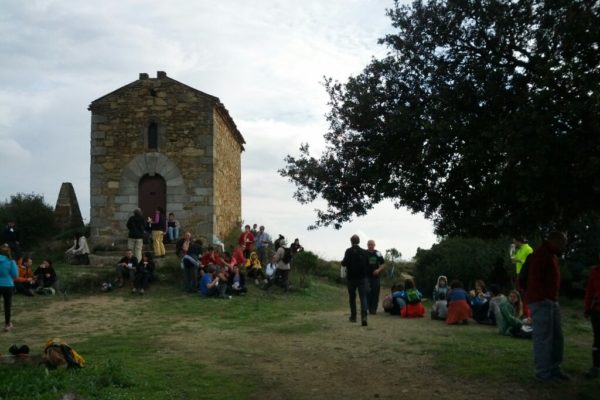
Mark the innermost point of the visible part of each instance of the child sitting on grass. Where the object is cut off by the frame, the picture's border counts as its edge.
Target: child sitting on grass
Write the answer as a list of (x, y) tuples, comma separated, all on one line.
[(459, 310)]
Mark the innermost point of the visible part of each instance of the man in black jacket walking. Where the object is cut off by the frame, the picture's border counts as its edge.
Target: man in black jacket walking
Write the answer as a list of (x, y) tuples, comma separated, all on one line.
[(356, 263)]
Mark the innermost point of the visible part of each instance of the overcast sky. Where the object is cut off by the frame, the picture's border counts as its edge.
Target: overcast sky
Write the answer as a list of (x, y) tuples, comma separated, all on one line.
[(264, 59)]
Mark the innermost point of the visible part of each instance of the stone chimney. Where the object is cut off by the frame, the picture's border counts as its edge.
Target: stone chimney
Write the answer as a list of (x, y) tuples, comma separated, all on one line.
[(161, 74), (66, 213), (143, 76)]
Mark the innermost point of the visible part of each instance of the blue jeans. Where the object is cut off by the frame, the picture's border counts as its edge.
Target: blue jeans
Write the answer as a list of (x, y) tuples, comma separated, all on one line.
[(362, 286), (548, 340), (173, 233)]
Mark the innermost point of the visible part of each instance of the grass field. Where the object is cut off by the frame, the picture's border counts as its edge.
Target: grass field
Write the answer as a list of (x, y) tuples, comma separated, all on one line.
[(268, 345)]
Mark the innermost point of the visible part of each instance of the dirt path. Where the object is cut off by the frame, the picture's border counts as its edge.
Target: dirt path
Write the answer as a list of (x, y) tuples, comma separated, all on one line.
[(328, 358)]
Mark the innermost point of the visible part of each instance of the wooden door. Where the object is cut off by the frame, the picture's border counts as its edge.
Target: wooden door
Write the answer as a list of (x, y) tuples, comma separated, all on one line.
[(152, 194)]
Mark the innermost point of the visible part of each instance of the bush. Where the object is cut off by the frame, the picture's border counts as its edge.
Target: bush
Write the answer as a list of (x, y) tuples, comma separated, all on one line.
[(33, 217), (466, 259), (304, 264)]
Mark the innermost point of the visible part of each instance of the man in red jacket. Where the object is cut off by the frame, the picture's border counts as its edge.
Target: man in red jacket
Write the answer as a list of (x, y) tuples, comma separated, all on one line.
[(543, 284)]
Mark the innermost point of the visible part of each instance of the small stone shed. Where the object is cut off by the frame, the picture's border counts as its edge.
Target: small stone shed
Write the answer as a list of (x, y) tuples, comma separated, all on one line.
[(158, 142)]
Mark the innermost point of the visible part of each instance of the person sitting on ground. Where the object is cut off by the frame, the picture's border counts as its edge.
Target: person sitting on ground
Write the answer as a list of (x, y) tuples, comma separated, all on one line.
[(210, 283), (414, 308), (510, 322), (479, 301), (271, 269), (173, 227), (45, 277), (126, 268), (494, 307), (211, 257), (396, 300), (238, 258), (80, 250), (190, 264), (144, 274), (459, 310), (439, 310), (237, 281), (254, 269), (25, 282), (283, 266)]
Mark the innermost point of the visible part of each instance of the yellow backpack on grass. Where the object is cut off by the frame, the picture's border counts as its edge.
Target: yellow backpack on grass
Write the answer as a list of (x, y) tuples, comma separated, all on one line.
[(57, 353)]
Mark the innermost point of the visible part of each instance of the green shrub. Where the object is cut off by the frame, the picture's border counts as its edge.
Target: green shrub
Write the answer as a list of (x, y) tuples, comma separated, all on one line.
[(465, 259)]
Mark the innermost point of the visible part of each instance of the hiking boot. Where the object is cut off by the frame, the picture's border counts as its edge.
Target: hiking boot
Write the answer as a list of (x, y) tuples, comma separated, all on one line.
[(141, 291), (8, 328), (133, 290), (593, 373), (352, 319), (364, 323)]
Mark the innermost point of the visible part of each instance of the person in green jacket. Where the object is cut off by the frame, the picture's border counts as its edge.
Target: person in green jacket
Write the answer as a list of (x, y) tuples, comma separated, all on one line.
[(510, 322)]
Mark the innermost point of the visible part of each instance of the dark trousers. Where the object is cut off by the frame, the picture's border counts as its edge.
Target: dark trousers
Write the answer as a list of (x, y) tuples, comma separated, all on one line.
[(361, 285), (7, 292), (373, 295), (190, 276), (595, 318), (142, 279)]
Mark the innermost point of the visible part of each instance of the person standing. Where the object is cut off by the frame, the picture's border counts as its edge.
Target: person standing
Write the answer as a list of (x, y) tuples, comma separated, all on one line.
[(262, 240), (376, 267), (543, 285), (522, 251), (356, 263), (8, 273), (135, 238), (247, 240), (592, 312), (157, 227), (11, 237)]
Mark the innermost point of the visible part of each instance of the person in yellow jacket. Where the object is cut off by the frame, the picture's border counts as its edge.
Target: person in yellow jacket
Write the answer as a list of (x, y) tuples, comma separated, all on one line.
[(522, 251)]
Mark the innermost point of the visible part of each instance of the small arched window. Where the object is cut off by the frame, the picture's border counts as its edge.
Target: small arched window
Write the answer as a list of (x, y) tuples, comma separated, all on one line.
[(153, 136)]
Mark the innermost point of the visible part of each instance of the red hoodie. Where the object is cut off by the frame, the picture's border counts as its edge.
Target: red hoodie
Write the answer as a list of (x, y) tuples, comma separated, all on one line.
[(543, 282), (592, 291)]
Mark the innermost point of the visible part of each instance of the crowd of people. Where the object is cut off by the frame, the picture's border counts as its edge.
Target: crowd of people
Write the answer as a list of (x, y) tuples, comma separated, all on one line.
[(529, 310), (206, 268)]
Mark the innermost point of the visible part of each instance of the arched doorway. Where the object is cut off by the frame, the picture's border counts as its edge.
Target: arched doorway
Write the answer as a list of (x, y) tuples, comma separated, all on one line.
[(152, 193)]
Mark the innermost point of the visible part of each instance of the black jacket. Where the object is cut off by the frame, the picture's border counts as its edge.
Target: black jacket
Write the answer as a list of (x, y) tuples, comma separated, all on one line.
[(136, 225), (356, 262)]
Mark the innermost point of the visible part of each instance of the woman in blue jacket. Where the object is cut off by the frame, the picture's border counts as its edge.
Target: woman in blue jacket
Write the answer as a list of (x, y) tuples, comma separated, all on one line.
[(8, 272)]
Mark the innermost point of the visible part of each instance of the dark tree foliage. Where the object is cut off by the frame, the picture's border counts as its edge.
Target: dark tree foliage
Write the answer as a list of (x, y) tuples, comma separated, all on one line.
[(465, 259), (484, 115), (33, 217)]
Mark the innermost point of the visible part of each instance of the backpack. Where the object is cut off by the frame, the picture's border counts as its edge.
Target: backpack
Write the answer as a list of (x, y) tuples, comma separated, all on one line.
[(524, 274), (412, 296), (57, 353), (287, 255)]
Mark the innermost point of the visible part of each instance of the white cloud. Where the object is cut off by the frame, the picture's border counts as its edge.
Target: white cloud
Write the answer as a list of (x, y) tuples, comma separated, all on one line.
[(264, 59)]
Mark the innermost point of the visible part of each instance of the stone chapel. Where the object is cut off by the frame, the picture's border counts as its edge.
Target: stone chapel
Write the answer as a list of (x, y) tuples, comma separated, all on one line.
[(158, 142)]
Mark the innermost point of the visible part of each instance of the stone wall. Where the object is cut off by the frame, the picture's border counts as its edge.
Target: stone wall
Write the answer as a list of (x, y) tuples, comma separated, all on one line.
[(228, 177), (120, 156)]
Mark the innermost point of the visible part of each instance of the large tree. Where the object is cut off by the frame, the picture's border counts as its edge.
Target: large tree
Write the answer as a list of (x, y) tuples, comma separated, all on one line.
[(483, 115)]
